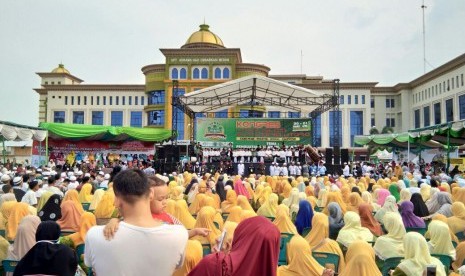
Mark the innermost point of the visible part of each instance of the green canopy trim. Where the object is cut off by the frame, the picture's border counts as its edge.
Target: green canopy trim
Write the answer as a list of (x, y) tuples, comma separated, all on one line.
[(398, 140), (105, 133)]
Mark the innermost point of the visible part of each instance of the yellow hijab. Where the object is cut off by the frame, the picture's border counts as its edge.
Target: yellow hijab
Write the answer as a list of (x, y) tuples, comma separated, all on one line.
[(96, 198), (235, 214), (73, 195), (42, 200), (18, 211), (85, 195), (283, 221), (170, 206), (231, 201), (193, 256), (205, 219), (87, 221), (243, 202), (106, 206), (353, 230), (183, 215), (391, 244), (268, 209), (301, 261), (440, 241), (360, 260), (457, 221), (354, 201)]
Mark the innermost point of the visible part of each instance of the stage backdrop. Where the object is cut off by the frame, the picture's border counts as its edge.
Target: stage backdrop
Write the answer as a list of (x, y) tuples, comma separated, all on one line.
[(216, 132)]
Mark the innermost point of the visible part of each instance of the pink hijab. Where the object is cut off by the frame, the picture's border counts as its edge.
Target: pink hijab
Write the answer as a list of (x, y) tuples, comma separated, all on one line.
[(240, 189), (382, 194)]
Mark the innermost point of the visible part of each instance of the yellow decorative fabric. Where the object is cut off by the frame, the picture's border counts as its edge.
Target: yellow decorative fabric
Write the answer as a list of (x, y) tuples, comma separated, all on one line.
[(300, 259), (283, 221), (360, 260)]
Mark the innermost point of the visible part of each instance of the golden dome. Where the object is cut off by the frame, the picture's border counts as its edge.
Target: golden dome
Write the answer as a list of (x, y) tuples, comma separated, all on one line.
[(60, 69), (204, 36)]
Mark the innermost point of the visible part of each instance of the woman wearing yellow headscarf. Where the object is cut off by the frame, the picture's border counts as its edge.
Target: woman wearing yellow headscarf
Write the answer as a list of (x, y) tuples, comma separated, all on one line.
[(231, 201), (353, 230), (245, 214), (183, 215), (417, 257), (87, 221), (73, 195), (177, 193), (300, 263), (367, 198), (457, 221), (425, 191), (42, 200), (286, 190), (322, 198), (195, 206), (283, 220), (6, 208), (440, 242), (193, 255), (392, 244), (170, 206), (460, 256), (319, 241), (85, 195), (442, 218), (235, 214), (360, 260), (345, 194), (208, 201), (268, 209), (335, 197), (18, 211), (205, 219), (106, 208), (96, 198), (243, 202), (460, 195), (354, 201)]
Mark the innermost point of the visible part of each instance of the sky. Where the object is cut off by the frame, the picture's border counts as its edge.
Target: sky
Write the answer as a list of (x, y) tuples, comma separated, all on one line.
[(108, 42)]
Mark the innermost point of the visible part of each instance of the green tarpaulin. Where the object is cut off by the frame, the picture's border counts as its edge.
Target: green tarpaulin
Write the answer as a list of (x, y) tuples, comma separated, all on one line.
[(105, 133), (397, 140)]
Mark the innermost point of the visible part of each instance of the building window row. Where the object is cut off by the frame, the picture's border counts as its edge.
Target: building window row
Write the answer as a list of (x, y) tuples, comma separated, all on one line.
[(439, 88), (116, 118), (200, 72), (97, 100), (390, 103), (156, 97), (436, 115), (356, 99)]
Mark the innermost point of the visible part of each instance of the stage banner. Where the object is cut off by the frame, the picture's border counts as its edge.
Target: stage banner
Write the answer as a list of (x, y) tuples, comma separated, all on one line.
[(88, 146), (221, 132)]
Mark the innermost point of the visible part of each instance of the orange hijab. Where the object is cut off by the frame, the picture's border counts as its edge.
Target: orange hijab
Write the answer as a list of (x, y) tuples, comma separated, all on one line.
[(70, 216), (367, 219), (73, 195), (87, 221), (354, 201)]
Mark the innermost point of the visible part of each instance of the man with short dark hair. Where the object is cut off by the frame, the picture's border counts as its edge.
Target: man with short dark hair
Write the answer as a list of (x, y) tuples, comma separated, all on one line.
[(142, 245)]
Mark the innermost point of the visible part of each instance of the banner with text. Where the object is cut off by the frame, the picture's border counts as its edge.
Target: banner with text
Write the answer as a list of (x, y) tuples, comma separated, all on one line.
[(216, 132)]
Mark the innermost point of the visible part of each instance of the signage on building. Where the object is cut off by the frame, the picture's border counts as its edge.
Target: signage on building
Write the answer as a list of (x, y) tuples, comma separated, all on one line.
[(216, 132), (200, 60)]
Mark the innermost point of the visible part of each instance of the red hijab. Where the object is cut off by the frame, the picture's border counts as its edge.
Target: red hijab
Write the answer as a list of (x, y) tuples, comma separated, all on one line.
[(255, 251), (240, 189)]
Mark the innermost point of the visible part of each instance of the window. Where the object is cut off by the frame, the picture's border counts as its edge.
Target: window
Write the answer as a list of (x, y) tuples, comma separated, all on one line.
[(130, 100), (78, 117), (273, 114), (174, 74), (72, 100), (457, 81), (372, 103), (390, 103), (59, 117), (142, 100), (117, 100), (332, 135), (461, 76), (417, 118), (452, 80), (390, 122), (78, 100), (356, 99), (449, 110), (204, 73), (59, 82), (462, 107), (97, 118), (156, 97), (85, 100), (183, 73), (437, 113), (440, 89), (46, 82), (426, 116), (136, 118), (136, 100), (341, 99), (98, 100), (317, 131), (123, 99), (196, 73), (222, 113), (226, 74), (448, 85), (117, 118), (372, 121), (363, 99), (66, 100), (104, 100), (111, 100), (217, 73), (349, 99), (156, 118), (91, 100), (292, 114), (356, 125)]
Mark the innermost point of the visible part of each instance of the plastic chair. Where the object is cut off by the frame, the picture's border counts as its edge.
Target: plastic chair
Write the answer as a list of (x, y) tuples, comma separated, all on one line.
[(460, 236), (3, 233), (271, 218), (318, 209), (306, 231), (85, 206), (390, 263), (225, 216), (446, 260), (285, 239), (454, 243), (324, 258), (421, 231), (207, 249), (9, 265)]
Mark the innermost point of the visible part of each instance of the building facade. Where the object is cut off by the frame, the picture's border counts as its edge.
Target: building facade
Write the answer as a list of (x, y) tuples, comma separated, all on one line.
[(433, 98)]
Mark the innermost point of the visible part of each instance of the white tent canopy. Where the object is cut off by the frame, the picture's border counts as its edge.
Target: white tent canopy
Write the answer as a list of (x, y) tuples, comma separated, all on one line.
[(15, 132), (258, 91)]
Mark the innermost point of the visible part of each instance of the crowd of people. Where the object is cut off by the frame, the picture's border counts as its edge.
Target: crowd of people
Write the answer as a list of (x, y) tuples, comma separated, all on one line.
[(135, 221)]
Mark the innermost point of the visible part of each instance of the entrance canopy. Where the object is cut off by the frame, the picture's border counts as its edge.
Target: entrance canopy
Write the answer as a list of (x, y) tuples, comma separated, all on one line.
[(16, 132), (255, 91)]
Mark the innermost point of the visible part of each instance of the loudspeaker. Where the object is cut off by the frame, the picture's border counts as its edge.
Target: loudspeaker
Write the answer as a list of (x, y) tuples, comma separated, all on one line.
[(172, 153), (329, 156), (191, 150), (345, 156), (337, 155), (160, 153)]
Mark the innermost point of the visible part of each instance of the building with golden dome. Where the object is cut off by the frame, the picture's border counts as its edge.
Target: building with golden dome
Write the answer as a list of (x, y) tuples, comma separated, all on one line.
[(204, 60)]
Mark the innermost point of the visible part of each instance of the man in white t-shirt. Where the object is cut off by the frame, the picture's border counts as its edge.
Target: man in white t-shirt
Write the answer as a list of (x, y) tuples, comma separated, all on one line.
[(142, 245), (30, 196)]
